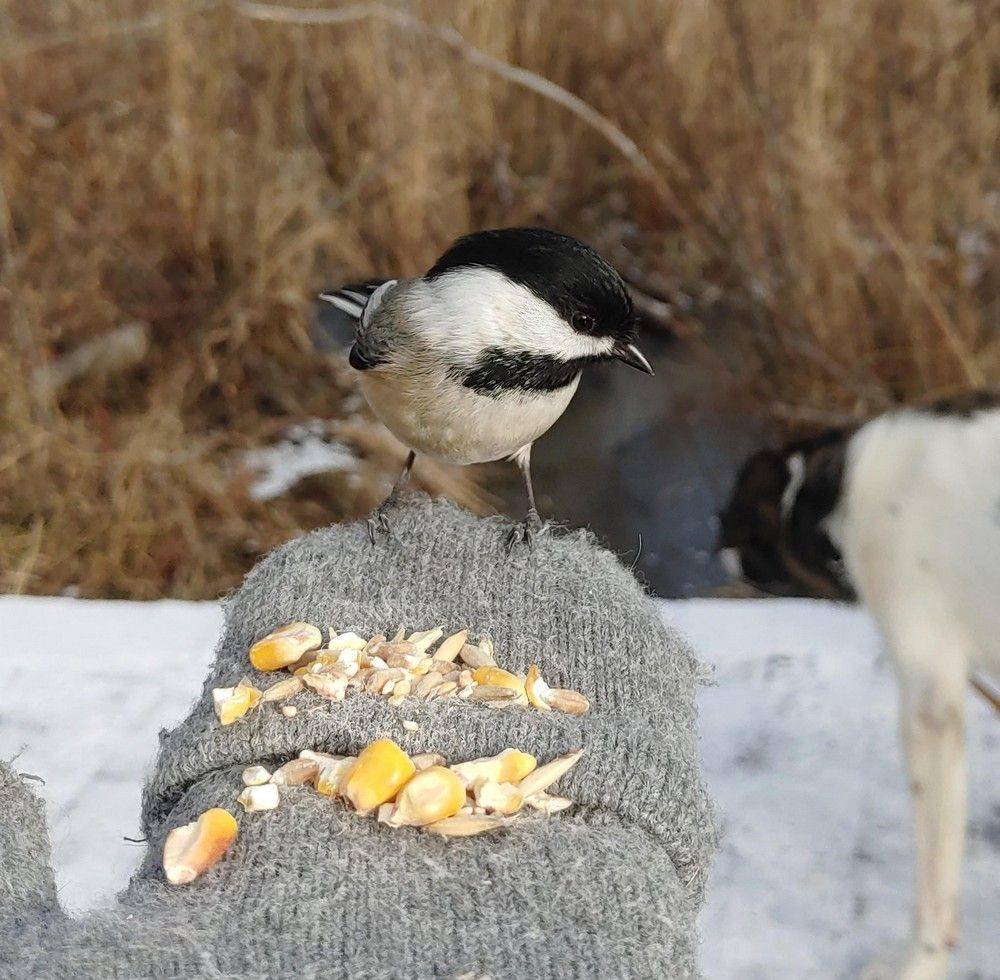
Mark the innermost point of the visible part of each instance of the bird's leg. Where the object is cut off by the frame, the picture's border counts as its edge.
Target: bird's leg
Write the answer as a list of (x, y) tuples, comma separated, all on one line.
[(379, 521), (532, 524)]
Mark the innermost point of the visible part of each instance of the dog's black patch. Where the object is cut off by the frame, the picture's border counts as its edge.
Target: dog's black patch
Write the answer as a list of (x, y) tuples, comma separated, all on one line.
[(806, 547), (751, 522), (789, 553)]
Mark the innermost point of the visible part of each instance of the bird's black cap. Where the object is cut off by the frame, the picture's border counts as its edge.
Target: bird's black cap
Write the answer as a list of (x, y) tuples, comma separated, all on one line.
[(568, 275)]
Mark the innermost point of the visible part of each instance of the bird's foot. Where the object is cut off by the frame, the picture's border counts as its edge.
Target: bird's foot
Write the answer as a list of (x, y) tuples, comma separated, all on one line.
[(525, 533), (378, 523)]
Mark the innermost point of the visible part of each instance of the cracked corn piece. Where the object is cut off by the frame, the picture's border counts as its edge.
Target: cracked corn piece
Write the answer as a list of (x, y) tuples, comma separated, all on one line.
[(256, 798), (285, 646), (191, 850), (510, 766), (430, 795), (232, 703), (329, 779)]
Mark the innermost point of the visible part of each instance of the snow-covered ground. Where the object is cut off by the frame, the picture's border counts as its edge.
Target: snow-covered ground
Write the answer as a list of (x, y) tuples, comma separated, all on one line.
[(800, 750), (798, 740)]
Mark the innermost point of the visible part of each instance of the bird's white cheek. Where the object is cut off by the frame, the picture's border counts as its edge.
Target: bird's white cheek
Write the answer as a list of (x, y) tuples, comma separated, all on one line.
[(469, 311)]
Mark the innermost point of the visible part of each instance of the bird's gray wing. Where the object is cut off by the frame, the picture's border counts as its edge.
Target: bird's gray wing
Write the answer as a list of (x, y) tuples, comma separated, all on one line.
[(372, 334)]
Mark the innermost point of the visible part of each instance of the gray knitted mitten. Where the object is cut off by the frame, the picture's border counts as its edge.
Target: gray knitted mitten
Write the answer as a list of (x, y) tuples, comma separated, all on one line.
[(609, 888)]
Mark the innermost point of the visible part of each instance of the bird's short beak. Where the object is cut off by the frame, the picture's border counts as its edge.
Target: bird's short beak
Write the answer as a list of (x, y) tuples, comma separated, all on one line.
[(632, 356)]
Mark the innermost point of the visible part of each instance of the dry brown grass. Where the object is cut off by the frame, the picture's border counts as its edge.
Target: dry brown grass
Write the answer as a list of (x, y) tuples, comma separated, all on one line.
[(822, 176)]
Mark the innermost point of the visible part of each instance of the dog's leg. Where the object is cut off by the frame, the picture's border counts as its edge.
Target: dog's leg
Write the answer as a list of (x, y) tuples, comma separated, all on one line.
[(932, 668)]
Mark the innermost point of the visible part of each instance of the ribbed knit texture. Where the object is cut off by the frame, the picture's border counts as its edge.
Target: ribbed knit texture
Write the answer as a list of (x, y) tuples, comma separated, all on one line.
[(608, 889)]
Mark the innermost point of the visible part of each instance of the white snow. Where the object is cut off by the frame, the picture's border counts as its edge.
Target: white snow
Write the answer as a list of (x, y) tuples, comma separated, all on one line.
[(798, 739), (305, 450), (84, 689), (799, 742)]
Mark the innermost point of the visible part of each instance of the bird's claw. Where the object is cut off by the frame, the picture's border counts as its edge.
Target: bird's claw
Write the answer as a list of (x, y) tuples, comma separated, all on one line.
[(378, 523), (525, 533)]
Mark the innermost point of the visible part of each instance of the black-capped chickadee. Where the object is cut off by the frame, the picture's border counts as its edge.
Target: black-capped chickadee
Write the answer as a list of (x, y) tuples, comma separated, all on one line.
[(475, 360)]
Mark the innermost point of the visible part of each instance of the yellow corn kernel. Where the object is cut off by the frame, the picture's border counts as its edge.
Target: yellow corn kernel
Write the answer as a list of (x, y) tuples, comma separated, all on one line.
[(497, 677), (379, 774), (232, 703), (510, 766), (430, 795), (191, 850), (536, 689), (285, 646), (514, 765)]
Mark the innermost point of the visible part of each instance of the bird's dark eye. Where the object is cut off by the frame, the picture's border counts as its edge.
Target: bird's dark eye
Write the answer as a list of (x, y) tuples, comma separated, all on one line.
[(583, 322)]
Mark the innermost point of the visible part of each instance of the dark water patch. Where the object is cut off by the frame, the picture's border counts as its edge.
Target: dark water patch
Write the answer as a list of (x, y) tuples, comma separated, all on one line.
[(651, 458)]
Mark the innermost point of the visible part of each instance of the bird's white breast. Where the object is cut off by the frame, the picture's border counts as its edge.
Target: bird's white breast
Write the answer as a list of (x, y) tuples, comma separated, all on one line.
[(444, 419)]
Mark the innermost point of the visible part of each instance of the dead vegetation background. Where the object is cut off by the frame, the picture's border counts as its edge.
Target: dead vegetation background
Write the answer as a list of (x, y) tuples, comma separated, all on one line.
[(815, 182)]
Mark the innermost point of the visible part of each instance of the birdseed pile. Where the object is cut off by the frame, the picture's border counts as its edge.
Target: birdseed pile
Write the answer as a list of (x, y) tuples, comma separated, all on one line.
[(396, 669), (383, 781), (458, 800)]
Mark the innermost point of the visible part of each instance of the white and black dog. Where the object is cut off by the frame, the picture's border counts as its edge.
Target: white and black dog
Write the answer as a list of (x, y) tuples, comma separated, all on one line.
[(902, 512)]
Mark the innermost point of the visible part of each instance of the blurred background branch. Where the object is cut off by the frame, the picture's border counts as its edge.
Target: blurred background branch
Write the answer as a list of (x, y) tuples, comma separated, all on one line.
[(452, 39)]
